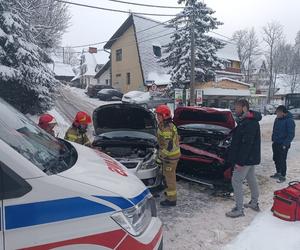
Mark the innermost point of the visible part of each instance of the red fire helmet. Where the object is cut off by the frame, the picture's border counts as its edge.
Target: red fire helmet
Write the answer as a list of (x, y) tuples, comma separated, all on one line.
[(45, 120), (82, 118), (164, 111)]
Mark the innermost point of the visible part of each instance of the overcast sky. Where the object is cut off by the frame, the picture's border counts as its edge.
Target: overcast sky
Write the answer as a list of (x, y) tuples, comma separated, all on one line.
[(91, 25)]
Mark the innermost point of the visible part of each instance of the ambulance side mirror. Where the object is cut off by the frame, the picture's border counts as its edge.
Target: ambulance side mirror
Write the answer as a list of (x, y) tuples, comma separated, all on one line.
[(11, 184)]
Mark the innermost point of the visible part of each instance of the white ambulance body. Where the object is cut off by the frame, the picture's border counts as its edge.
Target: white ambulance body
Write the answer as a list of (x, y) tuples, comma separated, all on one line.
[(57, 195)]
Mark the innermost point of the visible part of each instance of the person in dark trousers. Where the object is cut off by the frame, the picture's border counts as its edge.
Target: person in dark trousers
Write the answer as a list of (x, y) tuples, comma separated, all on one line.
[(244, 154), (282, 136)]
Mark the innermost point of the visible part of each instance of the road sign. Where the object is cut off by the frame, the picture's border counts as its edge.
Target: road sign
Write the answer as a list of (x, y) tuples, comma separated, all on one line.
[(153, 87), (199, 97)]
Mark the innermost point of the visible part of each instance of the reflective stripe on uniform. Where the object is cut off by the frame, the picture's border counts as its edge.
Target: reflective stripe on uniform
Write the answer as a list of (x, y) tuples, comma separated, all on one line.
[(167, 134), (171, 193), (72, 137)]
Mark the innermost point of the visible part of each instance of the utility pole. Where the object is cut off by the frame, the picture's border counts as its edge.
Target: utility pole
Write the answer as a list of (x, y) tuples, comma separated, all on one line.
[(192, 84), (271, 77)]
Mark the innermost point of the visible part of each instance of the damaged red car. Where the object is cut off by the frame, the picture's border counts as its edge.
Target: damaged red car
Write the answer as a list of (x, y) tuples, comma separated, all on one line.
[(205, 137)]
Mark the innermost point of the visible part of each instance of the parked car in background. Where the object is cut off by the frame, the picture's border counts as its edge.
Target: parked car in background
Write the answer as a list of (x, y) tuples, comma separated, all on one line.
[(145, 99), (270, 109), (93, 90), (204, 141), (127, 132), (62, 195), (131, 96), (292, 102), (109, 95)]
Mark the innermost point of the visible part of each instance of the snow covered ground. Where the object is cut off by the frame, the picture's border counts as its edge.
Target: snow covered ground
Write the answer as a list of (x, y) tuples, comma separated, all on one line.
[(199, 222), (268, 232)]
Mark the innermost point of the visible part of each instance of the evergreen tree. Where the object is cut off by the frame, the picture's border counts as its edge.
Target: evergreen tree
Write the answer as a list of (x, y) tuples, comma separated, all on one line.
[(178, 52), (25, 81)]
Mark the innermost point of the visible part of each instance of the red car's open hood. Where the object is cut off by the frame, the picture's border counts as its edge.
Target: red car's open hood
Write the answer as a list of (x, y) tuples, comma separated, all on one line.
[(204, 115)]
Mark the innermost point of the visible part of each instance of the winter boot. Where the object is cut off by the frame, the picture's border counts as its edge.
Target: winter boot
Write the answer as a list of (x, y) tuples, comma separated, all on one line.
[(281, 179), (235, 213), (275, 176), (253, 206), (167, 203)]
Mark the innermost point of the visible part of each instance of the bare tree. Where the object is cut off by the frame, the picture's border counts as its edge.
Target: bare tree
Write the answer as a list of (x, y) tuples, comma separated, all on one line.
[(272, 35), (297, 41), (70, 56), (248, 49), (252, 52), (240, 37), (49, 19), (294, 72)]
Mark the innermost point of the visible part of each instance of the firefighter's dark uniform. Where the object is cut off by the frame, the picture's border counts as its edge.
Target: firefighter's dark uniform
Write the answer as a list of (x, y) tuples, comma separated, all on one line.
[(73, 134), (169, 154)]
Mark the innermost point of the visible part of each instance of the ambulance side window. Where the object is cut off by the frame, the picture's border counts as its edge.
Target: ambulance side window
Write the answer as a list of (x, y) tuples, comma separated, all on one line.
[(11, 184)]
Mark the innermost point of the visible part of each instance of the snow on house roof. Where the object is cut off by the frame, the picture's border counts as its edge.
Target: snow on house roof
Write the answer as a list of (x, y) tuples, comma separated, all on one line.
[(233, 80), (89, 64), (152, 70), (229, 52), (159, 79), (61, 69), (103, 69), (226, 92)]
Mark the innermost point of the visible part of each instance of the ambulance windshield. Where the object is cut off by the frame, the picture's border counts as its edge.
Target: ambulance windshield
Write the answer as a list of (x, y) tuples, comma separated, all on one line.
[(49, 154)]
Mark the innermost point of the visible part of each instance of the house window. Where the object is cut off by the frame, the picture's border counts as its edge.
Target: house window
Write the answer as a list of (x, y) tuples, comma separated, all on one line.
[(227, 64), (128, 78), (106, 81), (118, 75), (119, 55), (157, 51)]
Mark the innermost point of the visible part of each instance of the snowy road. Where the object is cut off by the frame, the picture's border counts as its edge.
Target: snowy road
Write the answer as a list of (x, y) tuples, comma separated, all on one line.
[(198, 222)]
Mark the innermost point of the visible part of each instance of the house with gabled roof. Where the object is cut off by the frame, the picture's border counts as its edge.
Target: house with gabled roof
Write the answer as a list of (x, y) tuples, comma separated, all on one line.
[(87, 70), (135, 49), (103, 76)]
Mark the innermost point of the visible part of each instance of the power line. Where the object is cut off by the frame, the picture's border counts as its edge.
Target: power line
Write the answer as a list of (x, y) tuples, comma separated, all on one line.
[(147, 5), (114, 39), (148, 39), (113, 10)]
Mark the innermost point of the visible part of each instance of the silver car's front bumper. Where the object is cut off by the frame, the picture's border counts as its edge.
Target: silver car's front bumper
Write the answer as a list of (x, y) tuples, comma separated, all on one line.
[(151, 177)]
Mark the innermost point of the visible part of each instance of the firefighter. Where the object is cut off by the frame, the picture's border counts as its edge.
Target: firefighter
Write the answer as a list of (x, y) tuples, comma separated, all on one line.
[(77, 132), (169, 152), (47, 122)]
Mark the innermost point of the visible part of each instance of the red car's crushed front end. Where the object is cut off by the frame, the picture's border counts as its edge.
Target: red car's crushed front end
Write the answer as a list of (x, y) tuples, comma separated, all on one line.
[(205, 135)]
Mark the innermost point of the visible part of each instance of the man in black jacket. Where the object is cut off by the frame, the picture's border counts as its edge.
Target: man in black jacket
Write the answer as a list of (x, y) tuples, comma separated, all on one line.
[(282, 136), (244, 154)]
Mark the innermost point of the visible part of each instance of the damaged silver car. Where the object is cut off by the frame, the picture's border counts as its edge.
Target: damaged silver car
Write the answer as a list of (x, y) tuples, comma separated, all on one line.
[(127, 132)]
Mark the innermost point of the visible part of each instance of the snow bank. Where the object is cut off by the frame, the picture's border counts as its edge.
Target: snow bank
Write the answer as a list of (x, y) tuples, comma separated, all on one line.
[(267, 232)]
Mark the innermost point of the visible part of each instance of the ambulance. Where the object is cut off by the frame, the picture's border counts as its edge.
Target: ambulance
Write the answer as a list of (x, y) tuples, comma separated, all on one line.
[(64, 196)]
